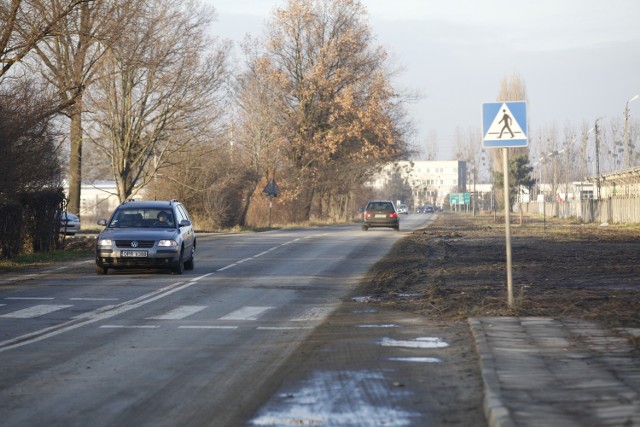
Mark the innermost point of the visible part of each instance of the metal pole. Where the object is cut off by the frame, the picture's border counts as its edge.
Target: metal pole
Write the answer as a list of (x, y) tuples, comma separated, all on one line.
[(597, 163), (507, 225)]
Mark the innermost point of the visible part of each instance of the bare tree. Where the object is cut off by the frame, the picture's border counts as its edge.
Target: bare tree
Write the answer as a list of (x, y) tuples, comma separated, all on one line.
[(159, 91), (24, 137), (71, 59)]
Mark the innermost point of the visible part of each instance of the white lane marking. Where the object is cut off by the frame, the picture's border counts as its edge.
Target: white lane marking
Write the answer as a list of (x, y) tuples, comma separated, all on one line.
[(315, 314), (206, 327), (246, 313), (29, 298), (94, 299), (130, 327), (282, 328), (227, 266), (201, 277), (179, 312), (35, 311), (244, 260)]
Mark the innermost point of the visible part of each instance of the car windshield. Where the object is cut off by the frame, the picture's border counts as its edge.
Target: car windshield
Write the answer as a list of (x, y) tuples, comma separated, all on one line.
[(143, 218)]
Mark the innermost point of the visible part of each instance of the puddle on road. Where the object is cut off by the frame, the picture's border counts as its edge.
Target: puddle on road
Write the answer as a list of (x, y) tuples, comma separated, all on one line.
[(339, 399), (425, 342)]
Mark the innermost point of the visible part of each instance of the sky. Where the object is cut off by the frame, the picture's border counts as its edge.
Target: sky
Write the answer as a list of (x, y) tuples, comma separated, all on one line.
[(579, 59)]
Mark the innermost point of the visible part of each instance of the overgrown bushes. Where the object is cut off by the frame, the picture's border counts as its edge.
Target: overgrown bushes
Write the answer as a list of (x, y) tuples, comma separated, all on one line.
[(30, 222)]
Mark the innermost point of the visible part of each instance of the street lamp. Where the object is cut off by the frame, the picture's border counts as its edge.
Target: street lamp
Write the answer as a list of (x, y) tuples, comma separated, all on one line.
[(626, 132)]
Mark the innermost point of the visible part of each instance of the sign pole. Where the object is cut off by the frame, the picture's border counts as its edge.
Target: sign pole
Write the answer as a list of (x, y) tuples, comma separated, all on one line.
[(507, 224)]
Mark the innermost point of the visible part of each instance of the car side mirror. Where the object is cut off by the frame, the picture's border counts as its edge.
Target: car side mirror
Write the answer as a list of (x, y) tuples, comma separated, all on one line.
[(185, 223), (360, 210), (102, 222)]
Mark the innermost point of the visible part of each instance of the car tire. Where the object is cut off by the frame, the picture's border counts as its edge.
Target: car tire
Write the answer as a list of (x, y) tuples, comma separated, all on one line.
[(397, 228), (101, 270), (179, 266), (365, 228), (189, 264)]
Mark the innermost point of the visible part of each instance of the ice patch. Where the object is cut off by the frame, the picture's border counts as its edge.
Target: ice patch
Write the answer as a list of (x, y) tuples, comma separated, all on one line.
[(379, 326), (415, 359), (339, 399), (425, 342)]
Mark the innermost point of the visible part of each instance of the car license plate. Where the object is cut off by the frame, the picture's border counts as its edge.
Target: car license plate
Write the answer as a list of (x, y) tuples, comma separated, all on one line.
[(381, 215), (134, 254)]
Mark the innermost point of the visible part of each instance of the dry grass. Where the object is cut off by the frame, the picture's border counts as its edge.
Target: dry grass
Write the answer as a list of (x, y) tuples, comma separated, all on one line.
[(456, 268)]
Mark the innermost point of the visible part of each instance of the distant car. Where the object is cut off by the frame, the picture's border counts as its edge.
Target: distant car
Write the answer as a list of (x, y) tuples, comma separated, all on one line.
[(403, 209), (380, 213), (429, 209), (147, 234), (69, 223)]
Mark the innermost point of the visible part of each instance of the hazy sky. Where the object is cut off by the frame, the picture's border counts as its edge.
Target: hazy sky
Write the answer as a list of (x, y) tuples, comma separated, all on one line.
[(579, 59)]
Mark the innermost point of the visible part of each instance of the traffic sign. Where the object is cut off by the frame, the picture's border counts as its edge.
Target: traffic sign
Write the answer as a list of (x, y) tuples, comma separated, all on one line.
[(271, 189), (460, 198), (504, 124)]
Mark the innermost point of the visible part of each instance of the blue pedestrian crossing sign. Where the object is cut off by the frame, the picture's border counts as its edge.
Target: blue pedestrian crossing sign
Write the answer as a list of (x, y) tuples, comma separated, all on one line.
[(504, 124)]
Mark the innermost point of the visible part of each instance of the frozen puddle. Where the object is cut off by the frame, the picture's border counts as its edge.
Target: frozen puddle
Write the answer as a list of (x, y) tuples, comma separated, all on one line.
[(339, 399), (415, 359), (425, 342), (379, 326)]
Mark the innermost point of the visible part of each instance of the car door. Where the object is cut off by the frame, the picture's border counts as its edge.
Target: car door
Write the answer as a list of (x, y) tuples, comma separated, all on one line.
[(188, 235)]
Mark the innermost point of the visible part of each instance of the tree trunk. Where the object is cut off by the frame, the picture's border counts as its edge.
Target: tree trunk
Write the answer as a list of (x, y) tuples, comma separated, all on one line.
[(75, 157)]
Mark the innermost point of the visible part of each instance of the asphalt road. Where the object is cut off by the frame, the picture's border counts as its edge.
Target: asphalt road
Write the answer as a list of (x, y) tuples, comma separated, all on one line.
[(152, 349)]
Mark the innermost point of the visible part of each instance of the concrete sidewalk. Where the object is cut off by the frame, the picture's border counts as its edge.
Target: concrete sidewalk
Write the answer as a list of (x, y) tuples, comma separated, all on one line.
[(547, 372)]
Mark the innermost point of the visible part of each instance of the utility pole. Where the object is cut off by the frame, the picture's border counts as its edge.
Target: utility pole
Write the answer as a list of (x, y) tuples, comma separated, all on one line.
[(597, 162)]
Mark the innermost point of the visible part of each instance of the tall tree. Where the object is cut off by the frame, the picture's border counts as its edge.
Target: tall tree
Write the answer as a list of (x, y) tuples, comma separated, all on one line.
[(335, 88), (159, 91), (71, 61)]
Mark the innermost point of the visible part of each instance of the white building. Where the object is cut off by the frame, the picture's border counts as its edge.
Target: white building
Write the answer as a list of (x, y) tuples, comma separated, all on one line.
[(431, 182), (98, 199)]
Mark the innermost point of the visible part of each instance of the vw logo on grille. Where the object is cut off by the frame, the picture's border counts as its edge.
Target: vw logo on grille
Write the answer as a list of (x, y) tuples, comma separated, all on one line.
[(134, 244)]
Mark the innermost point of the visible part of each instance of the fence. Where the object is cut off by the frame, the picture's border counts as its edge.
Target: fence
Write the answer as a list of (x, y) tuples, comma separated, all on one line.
[(613, 209)]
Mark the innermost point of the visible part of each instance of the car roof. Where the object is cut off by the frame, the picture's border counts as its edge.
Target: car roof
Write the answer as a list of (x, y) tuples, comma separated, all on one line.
[(162, 204)]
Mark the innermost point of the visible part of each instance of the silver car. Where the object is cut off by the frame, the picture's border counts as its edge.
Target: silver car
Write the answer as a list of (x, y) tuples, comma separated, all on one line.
[(69, 223), (147, 234)]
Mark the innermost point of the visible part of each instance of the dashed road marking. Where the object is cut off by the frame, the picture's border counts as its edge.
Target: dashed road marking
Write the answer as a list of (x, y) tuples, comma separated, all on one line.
[(179, 312), (35, 311), (246, 313)]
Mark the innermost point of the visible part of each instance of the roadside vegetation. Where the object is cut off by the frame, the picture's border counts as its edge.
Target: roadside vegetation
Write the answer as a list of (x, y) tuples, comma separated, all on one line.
[(456, 268)]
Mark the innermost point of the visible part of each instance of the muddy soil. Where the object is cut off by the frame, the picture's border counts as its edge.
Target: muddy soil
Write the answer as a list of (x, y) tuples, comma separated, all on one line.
[(456, 268)]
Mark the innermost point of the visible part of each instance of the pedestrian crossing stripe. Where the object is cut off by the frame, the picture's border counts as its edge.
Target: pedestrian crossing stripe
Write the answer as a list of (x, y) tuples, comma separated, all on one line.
[(35, 311), (504, 124)]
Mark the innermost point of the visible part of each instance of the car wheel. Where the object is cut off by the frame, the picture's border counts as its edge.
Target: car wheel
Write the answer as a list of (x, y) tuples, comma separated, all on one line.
[(188, 265), (365, 228), (179, 267), (101, 270), (397, 228)]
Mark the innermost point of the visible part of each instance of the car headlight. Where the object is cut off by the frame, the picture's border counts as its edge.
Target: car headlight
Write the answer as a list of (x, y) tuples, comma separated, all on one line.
[(105, 242), (168, 243)]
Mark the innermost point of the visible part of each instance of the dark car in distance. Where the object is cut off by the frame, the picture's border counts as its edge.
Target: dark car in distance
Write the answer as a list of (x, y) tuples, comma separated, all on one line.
[(147, 234), (380, 213)]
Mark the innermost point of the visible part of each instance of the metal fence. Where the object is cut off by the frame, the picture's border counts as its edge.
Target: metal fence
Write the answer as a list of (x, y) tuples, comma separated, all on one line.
[(612, 210)]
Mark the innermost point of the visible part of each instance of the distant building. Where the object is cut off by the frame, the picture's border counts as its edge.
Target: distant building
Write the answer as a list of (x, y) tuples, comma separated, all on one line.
[(431, 182), (98, 199)]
